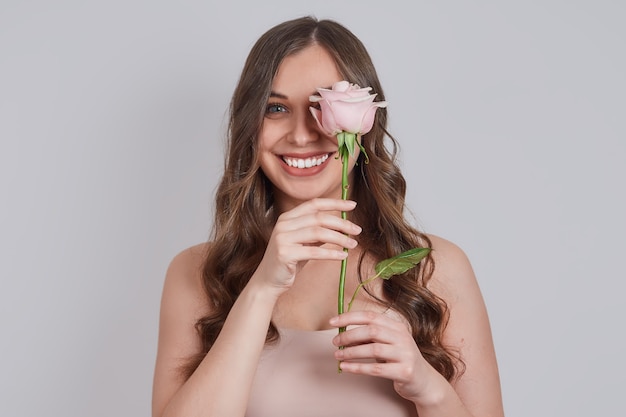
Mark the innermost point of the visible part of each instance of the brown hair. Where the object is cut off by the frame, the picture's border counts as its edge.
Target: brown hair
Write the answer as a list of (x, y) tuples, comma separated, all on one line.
[(244, 215)]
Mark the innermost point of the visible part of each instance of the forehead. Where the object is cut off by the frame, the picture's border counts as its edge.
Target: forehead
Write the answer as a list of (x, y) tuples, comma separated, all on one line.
[(306, 70)]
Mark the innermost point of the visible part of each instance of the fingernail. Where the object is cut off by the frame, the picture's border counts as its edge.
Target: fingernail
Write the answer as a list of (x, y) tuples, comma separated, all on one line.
[(333, 320)]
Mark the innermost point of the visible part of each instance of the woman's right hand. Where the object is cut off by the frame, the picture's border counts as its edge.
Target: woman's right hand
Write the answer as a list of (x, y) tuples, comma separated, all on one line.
[(300, 235)]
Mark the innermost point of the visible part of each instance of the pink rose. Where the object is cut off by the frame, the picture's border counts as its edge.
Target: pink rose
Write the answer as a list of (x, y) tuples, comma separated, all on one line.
[(345, 108)]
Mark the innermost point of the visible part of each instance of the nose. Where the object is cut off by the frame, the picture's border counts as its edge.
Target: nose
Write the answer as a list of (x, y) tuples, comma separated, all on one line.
[(304, 129)]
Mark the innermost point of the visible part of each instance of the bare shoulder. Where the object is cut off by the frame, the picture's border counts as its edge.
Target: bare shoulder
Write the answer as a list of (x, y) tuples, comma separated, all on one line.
[(188, 262), (445, 248), (453, 270), (455, 282), (468, 331), (183, 289), (183, 302)]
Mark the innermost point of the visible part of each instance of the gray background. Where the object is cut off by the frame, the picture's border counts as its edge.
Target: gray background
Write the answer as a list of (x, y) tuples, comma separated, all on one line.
[(512, 124)]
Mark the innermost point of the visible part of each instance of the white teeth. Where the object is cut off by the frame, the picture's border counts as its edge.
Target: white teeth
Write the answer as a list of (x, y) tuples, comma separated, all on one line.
[(305, 163)]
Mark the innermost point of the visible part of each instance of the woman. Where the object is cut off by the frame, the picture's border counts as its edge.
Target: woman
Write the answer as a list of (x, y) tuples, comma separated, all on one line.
[(248, 321)]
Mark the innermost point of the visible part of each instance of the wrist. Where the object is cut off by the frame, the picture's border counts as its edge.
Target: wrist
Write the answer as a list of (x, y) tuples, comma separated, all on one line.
[(260, 292), (253, 308), (434, 391)]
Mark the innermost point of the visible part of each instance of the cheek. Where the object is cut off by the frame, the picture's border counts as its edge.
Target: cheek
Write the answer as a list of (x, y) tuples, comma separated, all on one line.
[(262, 137), (267, 158), (271, 132)]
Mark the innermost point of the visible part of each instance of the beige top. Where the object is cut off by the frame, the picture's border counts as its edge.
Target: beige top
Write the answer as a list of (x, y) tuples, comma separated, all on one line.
[(297, 377)]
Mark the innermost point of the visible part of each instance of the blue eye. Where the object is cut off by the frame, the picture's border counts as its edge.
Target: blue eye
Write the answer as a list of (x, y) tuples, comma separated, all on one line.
[(275, 108)]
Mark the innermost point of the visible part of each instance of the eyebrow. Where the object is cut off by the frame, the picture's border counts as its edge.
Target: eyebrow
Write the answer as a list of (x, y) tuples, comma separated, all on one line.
[(278, 95), (284, 97)]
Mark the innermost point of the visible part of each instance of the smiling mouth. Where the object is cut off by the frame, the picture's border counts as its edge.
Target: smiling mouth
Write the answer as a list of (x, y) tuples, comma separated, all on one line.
[(303, 163)]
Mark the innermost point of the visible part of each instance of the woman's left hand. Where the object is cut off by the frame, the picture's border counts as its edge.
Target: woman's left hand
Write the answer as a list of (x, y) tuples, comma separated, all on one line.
[(382, 345)]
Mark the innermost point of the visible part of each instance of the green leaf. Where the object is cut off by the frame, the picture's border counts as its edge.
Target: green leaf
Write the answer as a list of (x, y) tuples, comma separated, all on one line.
[(340, 139), (367, 158), (401, 263), (349, 140)]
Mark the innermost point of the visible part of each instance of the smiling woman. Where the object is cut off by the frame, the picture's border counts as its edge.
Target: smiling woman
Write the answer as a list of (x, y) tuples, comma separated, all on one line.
[(252, 312), (294, 152)]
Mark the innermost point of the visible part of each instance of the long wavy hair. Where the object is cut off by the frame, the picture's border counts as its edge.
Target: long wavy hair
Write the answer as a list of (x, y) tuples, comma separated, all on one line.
[(244, 211)]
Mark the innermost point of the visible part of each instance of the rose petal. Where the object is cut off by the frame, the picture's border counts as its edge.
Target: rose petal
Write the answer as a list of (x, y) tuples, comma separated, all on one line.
[(345, 108)]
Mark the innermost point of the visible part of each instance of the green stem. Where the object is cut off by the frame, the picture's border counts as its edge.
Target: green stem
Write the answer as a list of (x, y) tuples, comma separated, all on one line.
[(344, 262), (344, 155), (361, 285)]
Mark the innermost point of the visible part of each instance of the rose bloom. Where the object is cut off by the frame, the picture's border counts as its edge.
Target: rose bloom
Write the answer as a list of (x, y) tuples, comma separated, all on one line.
[(345, 108)]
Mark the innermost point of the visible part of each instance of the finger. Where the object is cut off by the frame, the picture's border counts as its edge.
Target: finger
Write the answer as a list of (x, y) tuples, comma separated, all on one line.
[(393, 371), (321, 219), (320, 204), (321, 235), (365, 318), (365, 335), (296, 254), (378, 351)]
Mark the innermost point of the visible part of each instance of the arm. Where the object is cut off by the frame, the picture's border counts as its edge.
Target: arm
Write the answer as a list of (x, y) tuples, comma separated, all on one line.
[(220, 385), (468, 331), (476, 393), (217, 387)]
